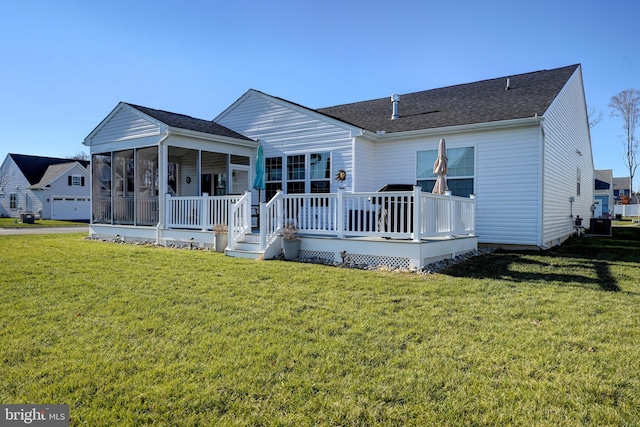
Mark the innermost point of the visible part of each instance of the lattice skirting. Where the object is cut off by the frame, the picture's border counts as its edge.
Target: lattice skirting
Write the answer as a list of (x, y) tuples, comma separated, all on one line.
[(321, 255), (377, 260), (358, 259)]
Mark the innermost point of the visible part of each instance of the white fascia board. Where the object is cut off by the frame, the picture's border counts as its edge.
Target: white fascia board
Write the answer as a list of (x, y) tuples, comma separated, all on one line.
[(215, 138), (474, 127)]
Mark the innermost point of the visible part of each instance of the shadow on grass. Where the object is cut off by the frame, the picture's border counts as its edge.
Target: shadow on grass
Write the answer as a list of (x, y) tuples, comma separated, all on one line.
[(580, 261)]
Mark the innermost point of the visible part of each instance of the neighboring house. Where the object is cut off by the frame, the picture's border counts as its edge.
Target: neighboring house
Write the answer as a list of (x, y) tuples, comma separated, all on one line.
[(51, 188), (519, 143), (621, 188), (604, 199)]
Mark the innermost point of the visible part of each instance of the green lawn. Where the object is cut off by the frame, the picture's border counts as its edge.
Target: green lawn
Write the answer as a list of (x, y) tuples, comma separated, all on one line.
[(139, 335), (15, 223)]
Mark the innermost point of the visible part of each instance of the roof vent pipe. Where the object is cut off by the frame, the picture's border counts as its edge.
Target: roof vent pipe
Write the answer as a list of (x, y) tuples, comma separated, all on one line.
[(508, 85), (395, 99)]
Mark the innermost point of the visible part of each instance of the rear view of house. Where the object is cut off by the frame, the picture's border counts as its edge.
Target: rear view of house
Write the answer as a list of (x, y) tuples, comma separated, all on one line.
[(520, 171), (519, 143)]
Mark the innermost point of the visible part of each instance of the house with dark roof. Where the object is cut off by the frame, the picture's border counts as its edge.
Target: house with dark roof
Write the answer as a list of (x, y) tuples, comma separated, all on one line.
[(49, 187), (621, 188), (603, 194), (520, 169)]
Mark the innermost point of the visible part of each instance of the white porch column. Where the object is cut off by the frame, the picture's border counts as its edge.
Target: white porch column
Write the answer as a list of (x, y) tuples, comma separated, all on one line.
[(417, 213), (262, 218), (451, 218), (340, 213), (163, 187), (472, 197)]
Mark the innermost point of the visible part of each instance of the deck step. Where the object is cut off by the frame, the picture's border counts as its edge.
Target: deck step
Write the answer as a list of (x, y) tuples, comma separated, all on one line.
[(248, 247)]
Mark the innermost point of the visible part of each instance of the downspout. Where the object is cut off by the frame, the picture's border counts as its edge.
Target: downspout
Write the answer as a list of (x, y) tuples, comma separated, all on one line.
[(162, 190)]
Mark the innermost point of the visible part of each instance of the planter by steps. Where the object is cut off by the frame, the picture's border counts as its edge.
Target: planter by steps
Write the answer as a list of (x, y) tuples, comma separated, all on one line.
[(291, 249), (290, 241), (221, 242), (220, 237)]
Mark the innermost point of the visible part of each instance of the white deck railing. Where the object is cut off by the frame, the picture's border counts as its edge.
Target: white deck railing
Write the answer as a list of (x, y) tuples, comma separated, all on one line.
[(401, 215), (198, 212)]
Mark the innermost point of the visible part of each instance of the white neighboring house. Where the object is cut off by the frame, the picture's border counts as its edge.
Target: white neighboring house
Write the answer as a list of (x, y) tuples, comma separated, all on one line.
[(49, 187)]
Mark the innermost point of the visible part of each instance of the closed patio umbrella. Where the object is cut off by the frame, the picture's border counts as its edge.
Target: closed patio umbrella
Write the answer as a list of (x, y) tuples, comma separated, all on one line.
[(258, 182), (440, 168)]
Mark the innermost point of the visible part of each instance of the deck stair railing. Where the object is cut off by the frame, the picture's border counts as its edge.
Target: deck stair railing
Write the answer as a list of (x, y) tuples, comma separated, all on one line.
[(239, 219)]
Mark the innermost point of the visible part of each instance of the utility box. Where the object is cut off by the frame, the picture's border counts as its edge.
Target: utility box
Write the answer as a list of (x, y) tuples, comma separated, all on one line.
[(600, 227), (27, 218)]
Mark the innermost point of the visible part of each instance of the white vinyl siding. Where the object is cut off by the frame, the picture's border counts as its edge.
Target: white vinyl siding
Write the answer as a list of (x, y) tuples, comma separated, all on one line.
[(124, 124), (567, 149), (508, 186), (507, 178), (285, 129), (363, 173)]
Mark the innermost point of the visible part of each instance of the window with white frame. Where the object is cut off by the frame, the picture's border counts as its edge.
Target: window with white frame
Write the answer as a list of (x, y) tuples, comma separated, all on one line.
[(579, 178), (273, 176), (298, 173), (13, 201), (76, 180), (320, 172), (461, 173)]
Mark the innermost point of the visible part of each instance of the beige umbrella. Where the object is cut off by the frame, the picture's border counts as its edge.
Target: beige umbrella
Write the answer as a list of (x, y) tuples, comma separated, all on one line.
[(440, 167)]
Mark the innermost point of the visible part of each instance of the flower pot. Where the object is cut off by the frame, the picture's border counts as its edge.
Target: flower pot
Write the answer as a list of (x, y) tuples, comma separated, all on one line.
[(221, 241), (291, 248)]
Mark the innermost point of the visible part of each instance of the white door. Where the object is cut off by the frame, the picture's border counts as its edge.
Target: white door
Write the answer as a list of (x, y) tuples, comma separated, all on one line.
[(70, 208), (239, 180)]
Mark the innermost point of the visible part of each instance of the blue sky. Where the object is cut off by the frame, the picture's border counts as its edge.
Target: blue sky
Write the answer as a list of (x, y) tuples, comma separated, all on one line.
[(66, 64)]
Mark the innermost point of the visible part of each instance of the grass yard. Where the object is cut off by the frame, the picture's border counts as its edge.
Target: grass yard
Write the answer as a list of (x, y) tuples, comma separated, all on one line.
[(38, 223), (134, 335)]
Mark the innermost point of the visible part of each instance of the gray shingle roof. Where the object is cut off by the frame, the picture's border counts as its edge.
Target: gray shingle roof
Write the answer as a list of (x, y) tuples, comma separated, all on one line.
[(34, 167), (181, 121), (480, 102)]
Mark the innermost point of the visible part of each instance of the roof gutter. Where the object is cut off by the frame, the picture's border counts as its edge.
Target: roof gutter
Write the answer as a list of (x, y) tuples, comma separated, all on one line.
[(212, 137), (502, 124)]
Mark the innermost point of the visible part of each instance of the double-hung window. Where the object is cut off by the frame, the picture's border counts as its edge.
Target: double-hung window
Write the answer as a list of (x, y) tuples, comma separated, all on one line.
[(273, 176), (460, 176), (13, 201), (76, 181), (298, 173), (320, 172)]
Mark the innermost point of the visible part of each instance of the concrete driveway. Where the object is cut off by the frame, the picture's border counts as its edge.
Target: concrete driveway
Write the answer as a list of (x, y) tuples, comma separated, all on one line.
[(43, 230)]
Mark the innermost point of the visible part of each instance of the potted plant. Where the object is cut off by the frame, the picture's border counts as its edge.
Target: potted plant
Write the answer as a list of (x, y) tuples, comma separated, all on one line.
[(290, 241), (221, 237)]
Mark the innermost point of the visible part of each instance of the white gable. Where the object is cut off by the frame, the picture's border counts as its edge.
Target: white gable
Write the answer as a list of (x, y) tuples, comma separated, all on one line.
[(122, 124), (285, 128)]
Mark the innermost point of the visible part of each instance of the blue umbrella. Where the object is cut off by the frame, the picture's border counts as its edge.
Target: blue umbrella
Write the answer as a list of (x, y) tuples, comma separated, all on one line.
[(258, 182)]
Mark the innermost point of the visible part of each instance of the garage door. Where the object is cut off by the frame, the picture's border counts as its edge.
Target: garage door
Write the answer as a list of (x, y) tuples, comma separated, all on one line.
[(71, 208)]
